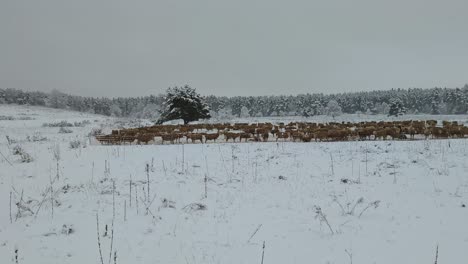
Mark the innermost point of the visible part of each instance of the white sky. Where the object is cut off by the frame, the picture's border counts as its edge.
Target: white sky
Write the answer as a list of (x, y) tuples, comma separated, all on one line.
[(241, 47)]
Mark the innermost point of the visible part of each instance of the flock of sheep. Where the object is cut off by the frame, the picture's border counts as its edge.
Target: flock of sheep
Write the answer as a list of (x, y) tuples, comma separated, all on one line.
[(294, 131)]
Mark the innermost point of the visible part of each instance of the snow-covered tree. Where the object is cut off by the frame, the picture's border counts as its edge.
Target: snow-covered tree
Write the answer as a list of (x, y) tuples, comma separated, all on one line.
[(57, 99), (435, 103), (244, 112), (224, 114), (333, 108), (396, 108), (115, 110), (184, 103), (312, 109), (383, 108), (149, 111)]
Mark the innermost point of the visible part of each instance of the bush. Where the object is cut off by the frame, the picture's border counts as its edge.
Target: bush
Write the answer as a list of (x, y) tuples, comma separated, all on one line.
[(95, 132), (74, 144), (26, 157), (37, 137), (25, 118), (2, 117), (64, 130), (82, 123), (58, 124), (17, 150)]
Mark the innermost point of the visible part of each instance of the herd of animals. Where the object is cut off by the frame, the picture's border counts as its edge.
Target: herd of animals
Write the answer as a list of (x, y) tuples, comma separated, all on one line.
[(294, 131)]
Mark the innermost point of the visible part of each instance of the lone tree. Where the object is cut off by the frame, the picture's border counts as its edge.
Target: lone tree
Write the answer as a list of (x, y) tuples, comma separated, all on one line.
[(183, 103)]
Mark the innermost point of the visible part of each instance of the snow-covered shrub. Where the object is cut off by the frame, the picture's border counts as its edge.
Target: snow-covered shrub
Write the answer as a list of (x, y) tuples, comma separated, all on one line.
[(168, 203), (244, 112), (74, 144), (194, 207), (17, 150), (9, 118), (333, 108), (25, 118), (82, 123), (26, 157), (67, 230), (58, 124), (64, 130), (37, 137), (95, 131)]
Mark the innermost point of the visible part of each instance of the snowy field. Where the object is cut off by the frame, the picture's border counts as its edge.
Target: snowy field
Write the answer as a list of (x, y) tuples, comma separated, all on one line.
[(380, 201)]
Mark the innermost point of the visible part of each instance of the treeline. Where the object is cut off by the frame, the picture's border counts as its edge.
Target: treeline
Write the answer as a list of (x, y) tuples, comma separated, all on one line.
[(415, 100)]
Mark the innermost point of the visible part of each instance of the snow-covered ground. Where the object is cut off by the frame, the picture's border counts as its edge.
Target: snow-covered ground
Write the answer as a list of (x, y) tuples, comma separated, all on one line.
[(415, 193)]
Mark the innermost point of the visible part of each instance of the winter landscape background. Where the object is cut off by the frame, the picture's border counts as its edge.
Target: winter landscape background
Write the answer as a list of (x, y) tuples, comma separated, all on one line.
[(328, 132), (68, 199)]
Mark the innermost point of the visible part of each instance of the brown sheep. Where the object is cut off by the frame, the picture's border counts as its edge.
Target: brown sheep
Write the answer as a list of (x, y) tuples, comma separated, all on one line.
[(282, 135), (321, 134), (230, 135), (211, 137), (380, 134), (439, 132), (245, 136), (194, 137), (145, 138), (168, 137)]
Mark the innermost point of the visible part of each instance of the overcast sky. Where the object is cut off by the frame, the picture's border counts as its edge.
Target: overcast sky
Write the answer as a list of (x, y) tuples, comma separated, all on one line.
[(236, 47)]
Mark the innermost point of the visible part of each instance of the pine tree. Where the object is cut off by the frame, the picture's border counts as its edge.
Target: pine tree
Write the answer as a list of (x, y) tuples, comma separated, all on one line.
[(312, 109), (396, 108), (184, 103), (435, 103)]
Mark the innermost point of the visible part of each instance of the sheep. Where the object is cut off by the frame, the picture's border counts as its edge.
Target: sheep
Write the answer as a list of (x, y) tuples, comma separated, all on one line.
[(211, 137), (194, 137)]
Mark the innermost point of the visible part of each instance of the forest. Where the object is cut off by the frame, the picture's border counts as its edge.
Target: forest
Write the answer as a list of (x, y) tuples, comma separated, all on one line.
[(411, 101)]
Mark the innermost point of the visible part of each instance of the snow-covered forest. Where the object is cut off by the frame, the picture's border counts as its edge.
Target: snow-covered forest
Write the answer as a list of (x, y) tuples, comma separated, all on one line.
[(410, 101)]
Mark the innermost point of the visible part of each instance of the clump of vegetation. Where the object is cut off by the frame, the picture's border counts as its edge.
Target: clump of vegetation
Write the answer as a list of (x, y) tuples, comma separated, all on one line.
[(58, 124), (17, 150), (64, 130), (168, 203), (9, 118), (25, 118), (82, 123), (194, 207), (37, 137), (75, 144), (67, 230), (26, 157), (95, 131)]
